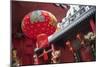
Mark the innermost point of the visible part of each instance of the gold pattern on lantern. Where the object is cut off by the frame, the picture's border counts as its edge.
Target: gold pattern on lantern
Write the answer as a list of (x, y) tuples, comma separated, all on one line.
[(53, 20)]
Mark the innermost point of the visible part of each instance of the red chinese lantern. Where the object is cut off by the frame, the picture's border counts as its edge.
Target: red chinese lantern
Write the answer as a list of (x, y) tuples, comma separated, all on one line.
[(42, 41), (38, 22)]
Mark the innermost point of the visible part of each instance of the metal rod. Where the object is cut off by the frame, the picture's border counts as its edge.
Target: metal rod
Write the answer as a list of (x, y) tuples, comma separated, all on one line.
[(43, 53)]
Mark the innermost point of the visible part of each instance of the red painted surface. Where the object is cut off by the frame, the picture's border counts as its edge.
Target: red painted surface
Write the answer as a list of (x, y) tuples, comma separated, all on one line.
[(86, 54), (92, 24), (67, 55)]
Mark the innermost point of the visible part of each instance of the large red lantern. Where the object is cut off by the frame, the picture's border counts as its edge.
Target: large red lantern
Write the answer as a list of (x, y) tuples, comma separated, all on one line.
[(38, 22)]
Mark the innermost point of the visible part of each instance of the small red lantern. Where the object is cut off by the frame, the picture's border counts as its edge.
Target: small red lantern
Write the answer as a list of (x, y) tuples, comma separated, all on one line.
[(42, 41)]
